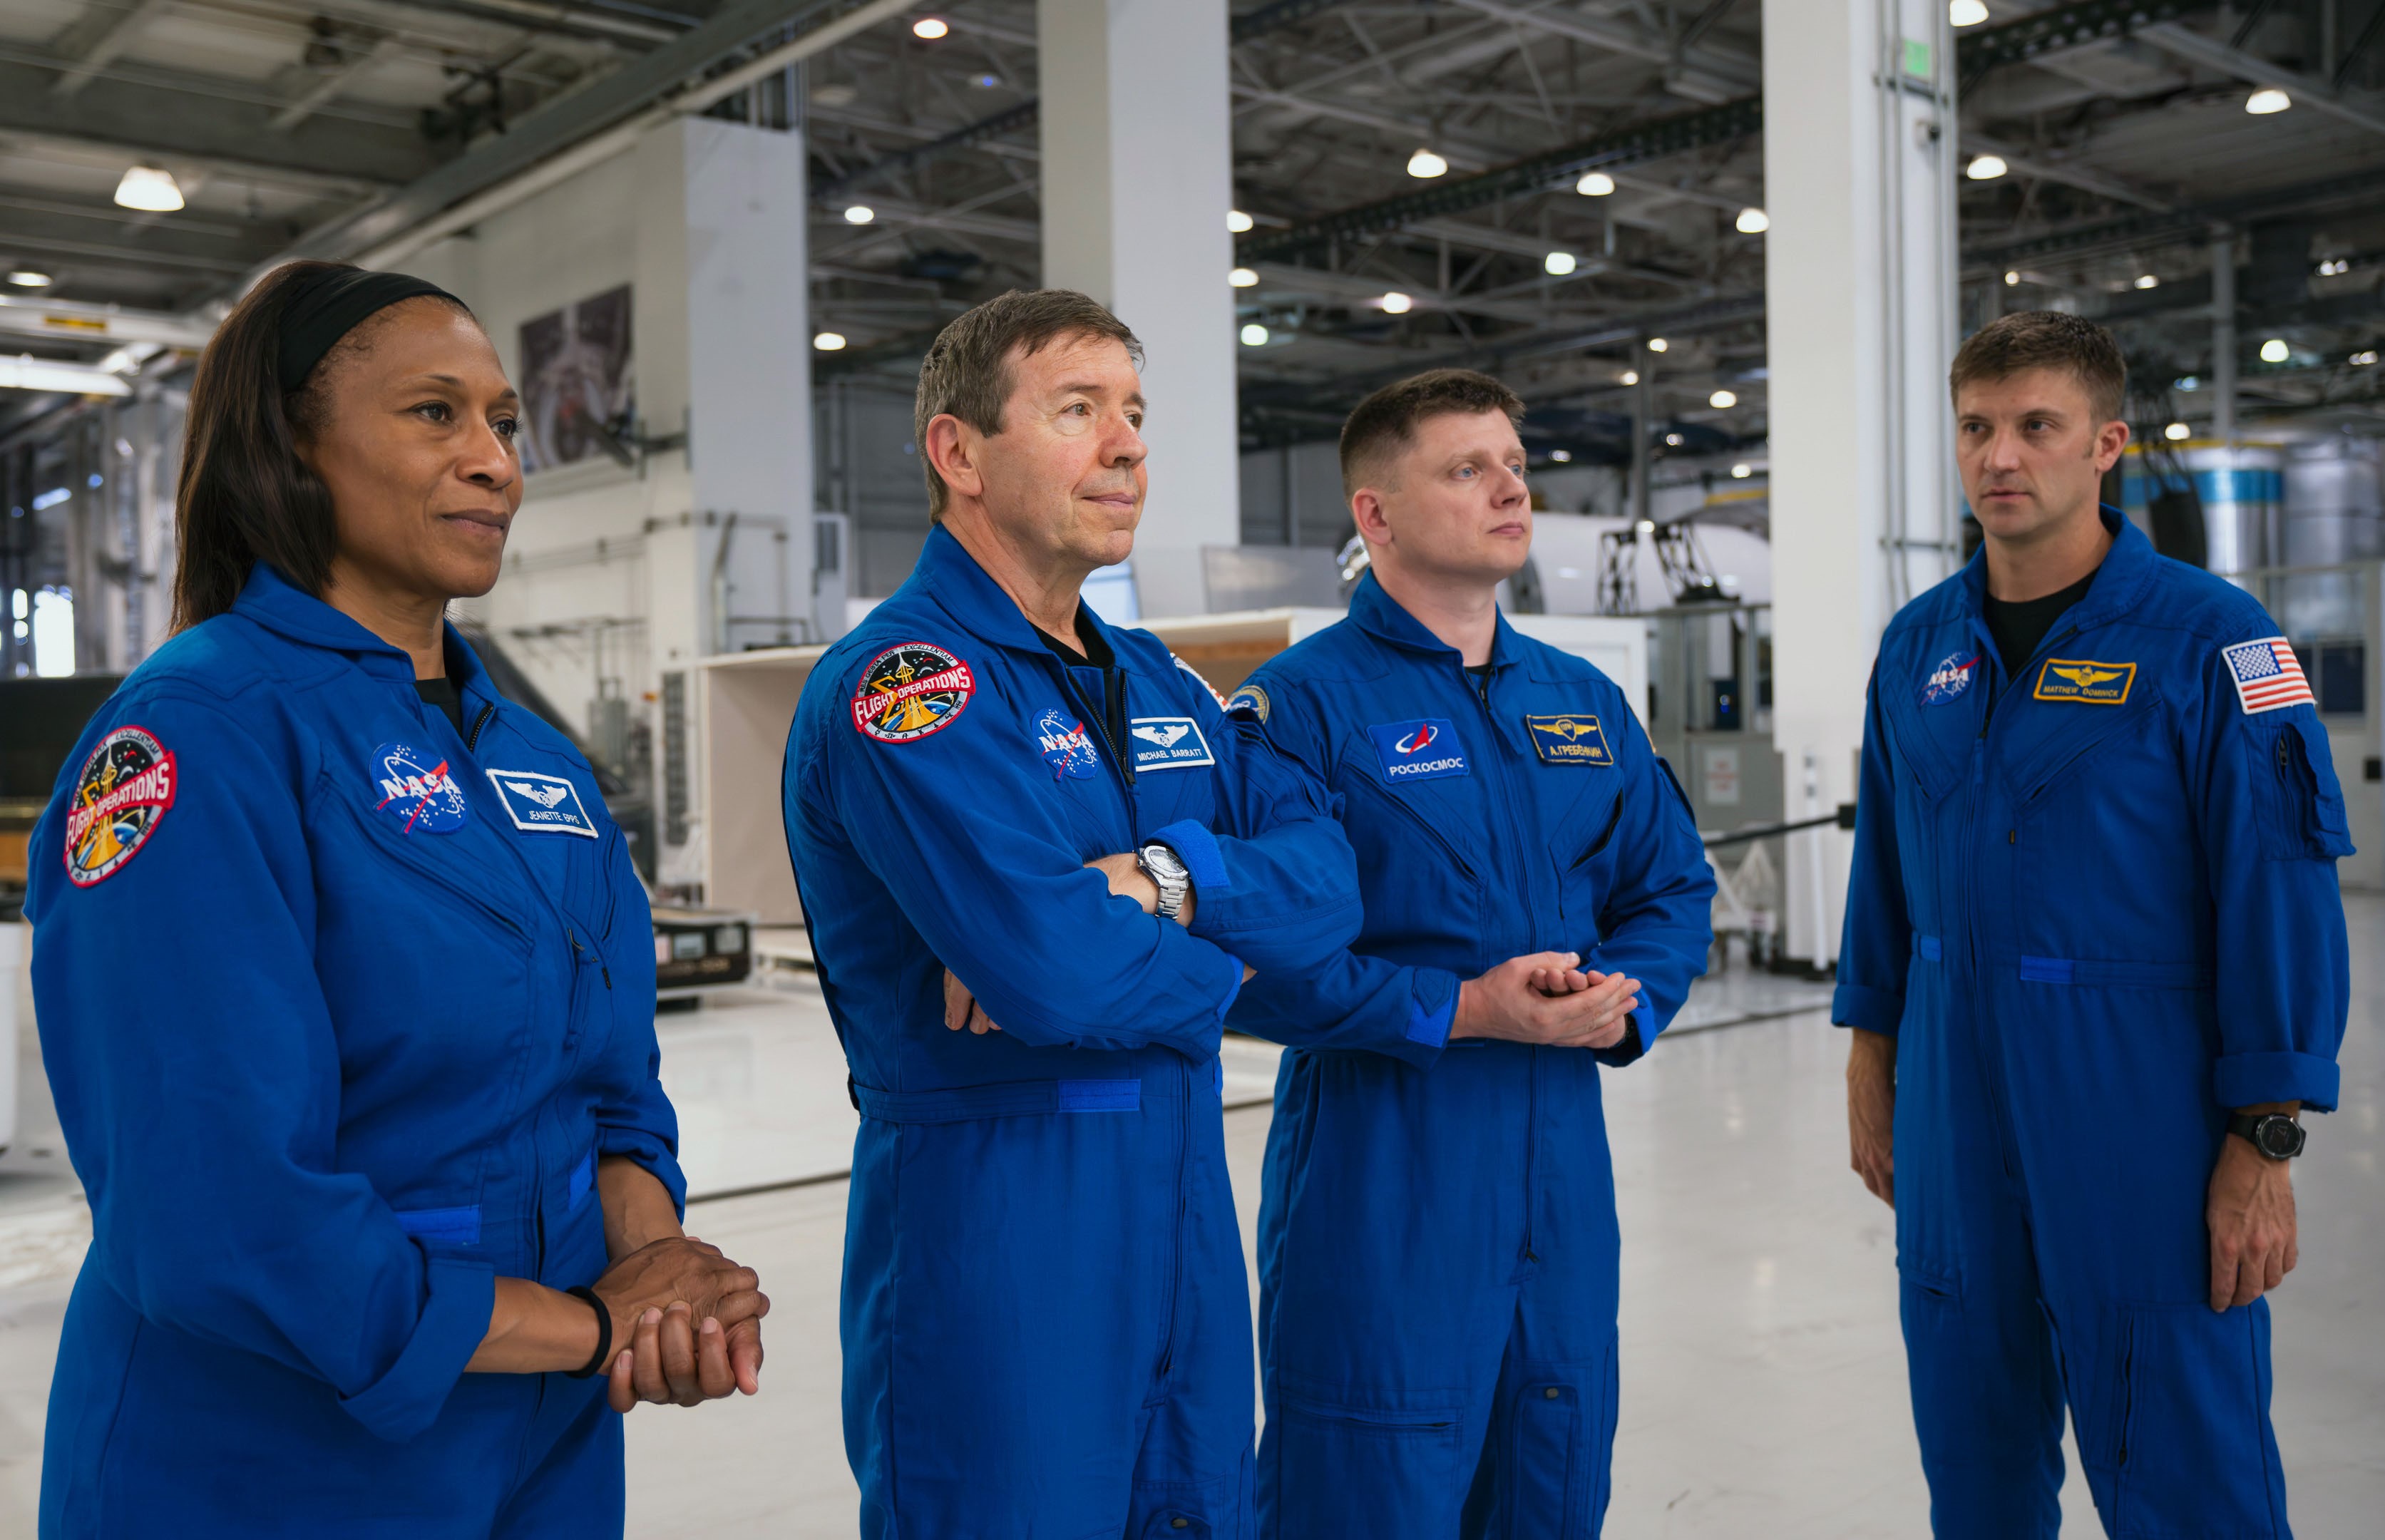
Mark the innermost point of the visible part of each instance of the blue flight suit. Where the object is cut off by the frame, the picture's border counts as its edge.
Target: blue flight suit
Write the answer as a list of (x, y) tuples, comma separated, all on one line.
[(1438, 1248), (340, 1010), (2096, 906), (1046, 1320)]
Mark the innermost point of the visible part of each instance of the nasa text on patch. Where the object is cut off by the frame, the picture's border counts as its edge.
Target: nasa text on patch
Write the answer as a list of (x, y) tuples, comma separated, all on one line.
[(1061, 739), (910, 691), (2082, 679), (123, 790), (1167, 742), (1949, 679), (1425, 750), (1574, 738), (542, 804), (414, 788)]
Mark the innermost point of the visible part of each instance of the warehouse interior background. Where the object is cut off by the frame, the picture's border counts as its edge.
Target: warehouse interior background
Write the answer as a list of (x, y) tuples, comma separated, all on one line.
[(1723, 248)]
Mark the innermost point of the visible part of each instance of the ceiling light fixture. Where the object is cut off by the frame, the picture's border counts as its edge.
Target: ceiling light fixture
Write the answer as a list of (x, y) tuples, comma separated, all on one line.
[(1986, 167), (1560, 264), (930, 28), (1675, 440), (1966, 13), (2177, 433), (2275, 351), (2267, 100), (26, 278), (26, 374), (2147, 281), (2011, 278), (1397, 304), (1657, 345), (1723, 400), (1242, 278), (1742, 471), (149, 189), (1645, 526), (1255, 335), (1561, 456), (2333, 266), (860, 214), (829, 341), (1238, 221), (1425, 165), (2365, 357), (1631, 377), (1595, 184), (1753, 221)]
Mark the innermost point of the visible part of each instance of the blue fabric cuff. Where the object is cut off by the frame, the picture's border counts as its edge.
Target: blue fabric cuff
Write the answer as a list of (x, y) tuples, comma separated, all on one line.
[(404, 1401), (650, 1151), (1233, 988), (1429, 1023), (1879, 1011), (2240, 1080), (1201, 857)]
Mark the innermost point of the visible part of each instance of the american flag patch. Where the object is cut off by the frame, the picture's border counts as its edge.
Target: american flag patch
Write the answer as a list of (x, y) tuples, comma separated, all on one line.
[(2267, 675)]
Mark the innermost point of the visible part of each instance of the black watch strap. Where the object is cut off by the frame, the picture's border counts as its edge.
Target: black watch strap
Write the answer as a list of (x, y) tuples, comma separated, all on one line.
[(2276, 1135), (604, 1354)]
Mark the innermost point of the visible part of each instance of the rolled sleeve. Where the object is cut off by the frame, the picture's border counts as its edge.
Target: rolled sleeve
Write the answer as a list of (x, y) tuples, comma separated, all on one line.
[(407, 1399), (1879, 1011), (2244, 1080)]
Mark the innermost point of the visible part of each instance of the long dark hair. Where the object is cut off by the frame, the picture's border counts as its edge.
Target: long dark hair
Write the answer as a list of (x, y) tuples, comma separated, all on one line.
[(245, 496)]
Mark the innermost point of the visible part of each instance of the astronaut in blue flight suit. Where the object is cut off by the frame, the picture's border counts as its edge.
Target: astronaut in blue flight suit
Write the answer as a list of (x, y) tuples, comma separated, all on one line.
[(346, 989), (2096, 958), (1046, 1323), (1438, 1248)]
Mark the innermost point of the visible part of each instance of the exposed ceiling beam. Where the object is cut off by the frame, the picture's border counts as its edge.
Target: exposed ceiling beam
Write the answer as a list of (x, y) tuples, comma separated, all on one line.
[(332, 83), (63, 321), (1741, 69), (2306, 90), (1280, 278), (2192, 221), (118, 36), (155, 120), (2068, 172)]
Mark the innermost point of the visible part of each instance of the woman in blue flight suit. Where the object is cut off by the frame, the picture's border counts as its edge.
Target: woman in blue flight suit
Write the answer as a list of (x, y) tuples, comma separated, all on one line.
[(345, 988)]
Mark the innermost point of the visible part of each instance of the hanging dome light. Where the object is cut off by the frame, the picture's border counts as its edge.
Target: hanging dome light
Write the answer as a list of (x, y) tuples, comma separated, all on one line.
[(2275, 351), (1723, 400), (149, 189), (2267, 100), (1595, 184), (1397, 304), (1255, 335), (1966, 13), (1560, 264), (1238, 221), (1986, 167), (1426, 165), (1242, 278), (829, 341), (2177, 433), (1754, 221)]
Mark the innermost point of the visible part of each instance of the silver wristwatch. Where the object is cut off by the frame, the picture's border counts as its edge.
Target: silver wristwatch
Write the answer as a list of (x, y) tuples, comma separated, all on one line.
[(1166, 869)]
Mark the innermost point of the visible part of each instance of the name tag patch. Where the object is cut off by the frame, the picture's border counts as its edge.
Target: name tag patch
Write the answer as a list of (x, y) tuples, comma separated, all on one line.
[(542, 804), (416, 789), (2079, 679), (1425, 750), (1167, 742), (1572, 739), (1062, 740)]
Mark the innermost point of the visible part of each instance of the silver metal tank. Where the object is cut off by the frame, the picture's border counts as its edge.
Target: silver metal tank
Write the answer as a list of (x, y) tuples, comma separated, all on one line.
[(2334, 502), (2242, 491)]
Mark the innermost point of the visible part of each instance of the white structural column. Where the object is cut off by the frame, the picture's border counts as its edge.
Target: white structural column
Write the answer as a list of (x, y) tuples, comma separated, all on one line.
[(1859, 151), (1137, 181), (724, 350)]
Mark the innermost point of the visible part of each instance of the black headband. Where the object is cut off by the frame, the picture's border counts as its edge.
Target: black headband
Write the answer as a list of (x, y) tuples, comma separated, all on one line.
[(329, 304)]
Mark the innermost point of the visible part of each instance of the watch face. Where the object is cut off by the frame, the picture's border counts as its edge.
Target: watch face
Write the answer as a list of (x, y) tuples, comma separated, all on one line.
[(2281, 1137)]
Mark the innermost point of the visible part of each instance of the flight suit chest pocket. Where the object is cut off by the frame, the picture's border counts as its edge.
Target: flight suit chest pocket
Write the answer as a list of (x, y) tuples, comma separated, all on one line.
[(2300, 801), (1411, 843), (1582, 853)]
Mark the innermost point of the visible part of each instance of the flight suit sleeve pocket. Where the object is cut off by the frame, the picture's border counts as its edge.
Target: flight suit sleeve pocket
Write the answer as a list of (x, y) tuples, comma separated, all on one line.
[(2301, 812)]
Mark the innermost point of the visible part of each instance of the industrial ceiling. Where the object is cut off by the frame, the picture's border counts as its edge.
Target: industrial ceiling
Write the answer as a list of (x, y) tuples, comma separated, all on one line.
[(335, 126)]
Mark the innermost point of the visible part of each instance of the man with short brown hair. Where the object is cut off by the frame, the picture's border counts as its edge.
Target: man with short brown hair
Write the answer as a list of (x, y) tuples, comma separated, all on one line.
[(2095, 964), (1046, 1323), (1437, 1246)]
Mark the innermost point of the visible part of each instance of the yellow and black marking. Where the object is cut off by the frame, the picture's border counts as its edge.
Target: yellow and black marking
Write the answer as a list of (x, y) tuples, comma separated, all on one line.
[(2085, 680), (1573, 738)]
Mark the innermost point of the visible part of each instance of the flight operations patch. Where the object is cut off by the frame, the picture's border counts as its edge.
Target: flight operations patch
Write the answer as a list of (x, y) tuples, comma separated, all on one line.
[(910, 691), (123, 791), (2079, 679), (1574, 738)]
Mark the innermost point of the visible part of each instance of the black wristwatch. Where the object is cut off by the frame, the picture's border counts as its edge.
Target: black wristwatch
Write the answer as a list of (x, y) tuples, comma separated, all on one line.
[(2272, 1133)]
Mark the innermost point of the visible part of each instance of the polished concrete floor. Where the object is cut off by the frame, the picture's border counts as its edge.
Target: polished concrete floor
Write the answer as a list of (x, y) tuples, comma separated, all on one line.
[(1763, 1376)]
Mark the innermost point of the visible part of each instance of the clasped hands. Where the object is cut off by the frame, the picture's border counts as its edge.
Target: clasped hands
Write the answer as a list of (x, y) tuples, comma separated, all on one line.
[(687, 1325), (1549, 999)]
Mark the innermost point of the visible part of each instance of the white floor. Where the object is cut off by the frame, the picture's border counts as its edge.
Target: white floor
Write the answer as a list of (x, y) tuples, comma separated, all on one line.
[(1763, 1380)]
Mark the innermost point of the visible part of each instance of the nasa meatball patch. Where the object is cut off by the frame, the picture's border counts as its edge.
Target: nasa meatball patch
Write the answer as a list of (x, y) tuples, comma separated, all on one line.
[(542, 804), (1061, 739), (1949, 679), (120, 796), (910, 692), (415, 788)]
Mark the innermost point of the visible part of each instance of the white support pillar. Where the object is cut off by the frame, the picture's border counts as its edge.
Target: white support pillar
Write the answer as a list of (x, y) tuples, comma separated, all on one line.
[(1859, 151), (1137, 181), (724, 351)]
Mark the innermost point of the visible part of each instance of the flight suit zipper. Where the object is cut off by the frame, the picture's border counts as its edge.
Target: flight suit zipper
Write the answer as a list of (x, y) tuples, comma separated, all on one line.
[(1503, 812)]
